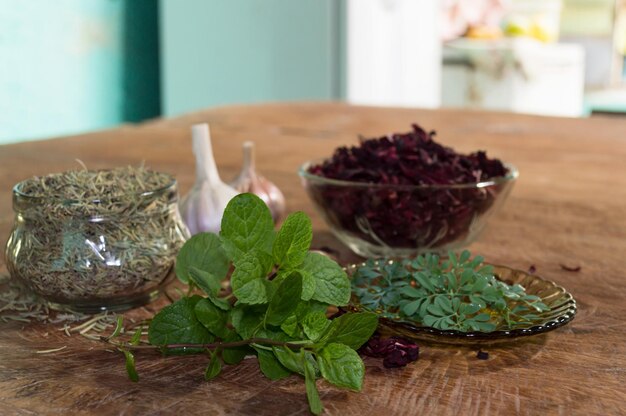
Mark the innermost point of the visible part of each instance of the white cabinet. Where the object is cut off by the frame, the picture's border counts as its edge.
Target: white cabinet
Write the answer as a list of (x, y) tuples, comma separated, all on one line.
[(517, 75)]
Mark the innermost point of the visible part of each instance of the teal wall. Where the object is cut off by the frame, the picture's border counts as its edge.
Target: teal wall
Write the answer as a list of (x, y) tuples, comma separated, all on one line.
[(217, 52), (69, 66)]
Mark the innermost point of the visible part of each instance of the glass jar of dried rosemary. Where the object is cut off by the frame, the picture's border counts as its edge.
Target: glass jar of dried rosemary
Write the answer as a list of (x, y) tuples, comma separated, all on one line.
[(90, 241)]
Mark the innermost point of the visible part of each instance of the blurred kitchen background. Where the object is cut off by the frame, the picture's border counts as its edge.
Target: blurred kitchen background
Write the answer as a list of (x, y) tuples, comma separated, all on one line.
[(70, 66)]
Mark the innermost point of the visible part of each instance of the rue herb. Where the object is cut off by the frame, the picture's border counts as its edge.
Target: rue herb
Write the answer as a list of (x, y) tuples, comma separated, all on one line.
[(276, 311), (459, 293)]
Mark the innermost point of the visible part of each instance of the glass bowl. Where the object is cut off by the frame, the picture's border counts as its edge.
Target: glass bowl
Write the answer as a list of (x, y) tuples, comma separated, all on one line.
[(385, 220), (91, 255), (561, 304)]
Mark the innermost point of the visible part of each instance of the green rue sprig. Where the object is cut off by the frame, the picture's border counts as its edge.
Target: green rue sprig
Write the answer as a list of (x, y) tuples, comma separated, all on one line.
[(460, 293)]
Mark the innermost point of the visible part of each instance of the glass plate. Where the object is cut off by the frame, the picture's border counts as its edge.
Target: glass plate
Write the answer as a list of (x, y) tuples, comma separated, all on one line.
[(561, 303)]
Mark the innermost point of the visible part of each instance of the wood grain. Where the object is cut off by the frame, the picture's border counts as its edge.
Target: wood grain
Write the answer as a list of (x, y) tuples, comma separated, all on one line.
[(568, 207)]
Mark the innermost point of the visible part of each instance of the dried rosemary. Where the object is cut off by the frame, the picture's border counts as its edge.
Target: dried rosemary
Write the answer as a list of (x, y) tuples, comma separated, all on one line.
[(94, 237)]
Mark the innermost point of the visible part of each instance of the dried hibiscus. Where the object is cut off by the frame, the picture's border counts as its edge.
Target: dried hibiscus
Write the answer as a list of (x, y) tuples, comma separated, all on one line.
[(415, 207), (395, 351)]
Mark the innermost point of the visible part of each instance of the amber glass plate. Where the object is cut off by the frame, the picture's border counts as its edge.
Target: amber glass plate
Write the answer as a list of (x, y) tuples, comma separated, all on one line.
[(561, 303)]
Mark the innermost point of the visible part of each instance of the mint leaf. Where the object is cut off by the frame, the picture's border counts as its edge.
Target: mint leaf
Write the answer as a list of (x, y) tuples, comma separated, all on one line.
[(248, 268), (177, 324), (293, 361), (290, 325), (209, 284), (130, 366), (214, 368), (211, 317), (247, 320), (234, 355), (246, 225), (293, 240), (331, 282), (313, 396), (219, 302), (252, 293), (351, 329), (270, 366), (315, 324), (285, 299), (341, 366), (289, 359), (204, 252)]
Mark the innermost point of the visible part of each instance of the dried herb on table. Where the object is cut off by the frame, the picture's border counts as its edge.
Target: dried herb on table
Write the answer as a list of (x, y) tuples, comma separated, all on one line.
[(459, 293), (276, 311), (407, 217)]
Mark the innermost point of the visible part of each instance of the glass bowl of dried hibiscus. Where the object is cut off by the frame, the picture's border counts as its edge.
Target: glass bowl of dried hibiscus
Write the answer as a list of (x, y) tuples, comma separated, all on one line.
[(405, 194)]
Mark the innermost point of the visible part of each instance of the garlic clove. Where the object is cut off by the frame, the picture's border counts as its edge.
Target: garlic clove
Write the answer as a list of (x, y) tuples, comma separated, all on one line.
[(204, 205), (249, 180)]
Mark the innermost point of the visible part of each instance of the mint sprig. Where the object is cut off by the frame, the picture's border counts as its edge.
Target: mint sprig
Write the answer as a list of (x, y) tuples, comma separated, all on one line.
[(274, 307), (460, 293)]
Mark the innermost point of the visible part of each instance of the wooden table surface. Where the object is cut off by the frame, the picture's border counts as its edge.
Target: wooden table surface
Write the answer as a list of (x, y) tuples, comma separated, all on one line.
[(568, 207)]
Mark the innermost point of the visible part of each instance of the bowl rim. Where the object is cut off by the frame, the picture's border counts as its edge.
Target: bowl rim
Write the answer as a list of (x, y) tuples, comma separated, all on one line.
[(303, 172)]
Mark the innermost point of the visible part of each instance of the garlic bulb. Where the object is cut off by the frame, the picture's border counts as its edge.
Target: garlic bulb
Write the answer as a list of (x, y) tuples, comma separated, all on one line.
[(204, 205), (249, 180)]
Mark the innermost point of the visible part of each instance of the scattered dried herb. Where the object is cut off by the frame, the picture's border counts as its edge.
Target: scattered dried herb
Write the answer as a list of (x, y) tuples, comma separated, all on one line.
[(570, 268), (406, 215), (92, 236), (482, 355), (395, 351), (275, 307), (459, 293)]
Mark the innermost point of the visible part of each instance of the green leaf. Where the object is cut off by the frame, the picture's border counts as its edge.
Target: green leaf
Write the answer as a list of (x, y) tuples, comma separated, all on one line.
[(213, 318), (252, 293), (429, 320), (315, 324), (204, 252), (247, 269), (234, 355), (285, 300), (209, 284), (443, 302), (351, 329), (219, 302), (424, 281), (214, 367), (289, 359), (410, 308), (482, 317), (412, 292), (332, 285), (293, 240), (130, 366), (270, 366), (247, 319), (341, 366), (177, 324), (290, 325), (246, 225), (313, 396)]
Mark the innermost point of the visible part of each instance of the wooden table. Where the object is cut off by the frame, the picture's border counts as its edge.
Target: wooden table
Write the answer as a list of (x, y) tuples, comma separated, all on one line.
[(569, 207)]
